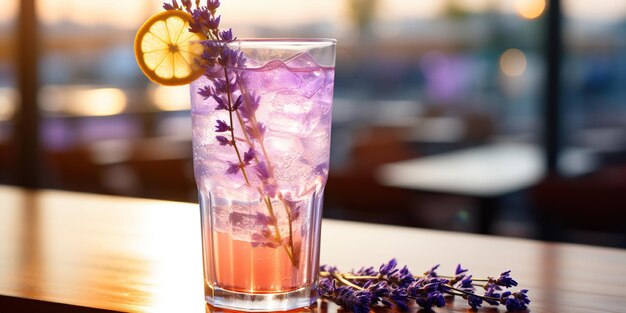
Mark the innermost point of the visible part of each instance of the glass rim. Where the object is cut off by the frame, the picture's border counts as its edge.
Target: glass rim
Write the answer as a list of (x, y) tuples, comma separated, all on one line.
[(285, 42)]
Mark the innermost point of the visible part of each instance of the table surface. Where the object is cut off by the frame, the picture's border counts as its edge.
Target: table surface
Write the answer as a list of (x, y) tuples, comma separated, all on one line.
[(484, 171), (73, 252)]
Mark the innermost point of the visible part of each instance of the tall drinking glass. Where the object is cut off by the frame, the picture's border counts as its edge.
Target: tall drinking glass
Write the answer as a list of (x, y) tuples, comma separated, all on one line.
[(261, 140)]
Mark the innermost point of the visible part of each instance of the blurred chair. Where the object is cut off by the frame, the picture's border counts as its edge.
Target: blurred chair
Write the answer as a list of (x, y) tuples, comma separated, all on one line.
[(596, 202), (354, 193), (7, 162), (73, 169), (164, 169)]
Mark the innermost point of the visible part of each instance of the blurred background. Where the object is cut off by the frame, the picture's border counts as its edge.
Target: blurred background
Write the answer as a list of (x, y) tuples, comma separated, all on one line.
[(505, 117)]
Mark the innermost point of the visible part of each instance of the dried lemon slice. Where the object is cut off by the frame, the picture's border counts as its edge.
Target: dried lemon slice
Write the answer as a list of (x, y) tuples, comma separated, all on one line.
[(166, 51)]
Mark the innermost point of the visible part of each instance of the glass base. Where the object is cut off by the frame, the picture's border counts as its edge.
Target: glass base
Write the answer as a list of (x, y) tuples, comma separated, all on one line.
[(261, 302)]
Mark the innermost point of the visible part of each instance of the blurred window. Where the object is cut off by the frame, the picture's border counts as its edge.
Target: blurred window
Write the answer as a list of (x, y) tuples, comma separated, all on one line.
[(594, 78), (8, 92)]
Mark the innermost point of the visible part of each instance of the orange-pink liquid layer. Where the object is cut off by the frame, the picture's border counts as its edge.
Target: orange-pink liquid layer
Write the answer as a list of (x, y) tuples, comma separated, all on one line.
[(239, 266)]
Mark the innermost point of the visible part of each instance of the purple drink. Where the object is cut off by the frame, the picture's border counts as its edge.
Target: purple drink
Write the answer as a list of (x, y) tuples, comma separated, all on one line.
[(261, 155)]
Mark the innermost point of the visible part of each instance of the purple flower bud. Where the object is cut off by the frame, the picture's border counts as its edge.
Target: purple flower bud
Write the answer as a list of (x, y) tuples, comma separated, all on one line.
[(248, 156), (474, 301), (213, 22), (492, 292), (227, 35), (466, 284), (506, 280), (262, 171), (401, 297), (459, 270), (233, 168), (385, 268), (435, 298), (431, 272), (205, 92), (221, 126), (223, 140), (263, 219), (237, 103), (221, 102), (250, 106), (212, 5), (328, 268), (196, 27), (187, 4), (518, 301), (168, 6)]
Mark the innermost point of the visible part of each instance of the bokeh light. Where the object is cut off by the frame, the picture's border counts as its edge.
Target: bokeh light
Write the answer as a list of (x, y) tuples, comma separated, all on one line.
[(170, 98), (530, 9), (513, 62)]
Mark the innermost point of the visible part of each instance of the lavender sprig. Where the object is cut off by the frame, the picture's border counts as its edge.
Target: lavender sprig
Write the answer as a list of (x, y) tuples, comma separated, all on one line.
[(390, 286), (227, 89)]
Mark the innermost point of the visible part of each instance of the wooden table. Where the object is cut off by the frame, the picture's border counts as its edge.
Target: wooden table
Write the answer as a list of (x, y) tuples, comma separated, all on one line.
[(486, 173), (72, 252)]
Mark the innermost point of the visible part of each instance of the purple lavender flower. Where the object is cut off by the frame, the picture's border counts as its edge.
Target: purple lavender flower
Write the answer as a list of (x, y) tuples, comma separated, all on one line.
[(230, 58), (385, 288), (386, 268), (227, 35), (296, 210), (358, 301), (256, 132), (221, 126), (211, 51), (221, 102), (237, 103), (187, 4), (233, 168), (459, 274), (212, 5), (400, 297), (435, 284), (206, 92), (262, 171), (402, 277), (328, 268), (223, 140), (505, 280), (212, 22), (466, 284), (249, 155), (474, 301), (492, 293), (168, 7), (264, 219), (431, 272), (434, 298), (516, 301), (251, 104), (222, 87)]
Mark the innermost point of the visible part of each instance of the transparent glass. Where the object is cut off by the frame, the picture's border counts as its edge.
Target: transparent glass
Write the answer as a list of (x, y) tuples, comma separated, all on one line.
[(261, 154)]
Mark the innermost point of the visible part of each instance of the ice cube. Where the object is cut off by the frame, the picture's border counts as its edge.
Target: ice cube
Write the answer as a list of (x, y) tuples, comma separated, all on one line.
[(292, 113), (313, 81), (316, 147), (274, 76), (311, 74)]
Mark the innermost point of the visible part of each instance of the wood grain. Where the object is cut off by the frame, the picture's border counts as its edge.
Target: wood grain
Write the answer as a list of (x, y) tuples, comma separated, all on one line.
[(73, 252)]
